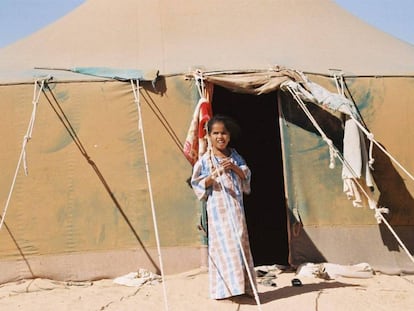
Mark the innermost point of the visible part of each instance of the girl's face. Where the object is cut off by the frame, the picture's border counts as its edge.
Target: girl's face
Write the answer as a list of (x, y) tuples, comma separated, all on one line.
[(220, 136)]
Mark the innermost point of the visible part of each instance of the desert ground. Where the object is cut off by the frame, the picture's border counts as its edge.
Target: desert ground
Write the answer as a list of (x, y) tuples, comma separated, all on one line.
[(189, 291)]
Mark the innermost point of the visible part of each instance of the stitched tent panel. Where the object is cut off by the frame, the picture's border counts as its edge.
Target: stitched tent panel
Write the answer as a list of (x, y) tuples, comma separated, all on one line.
[(65, 205)]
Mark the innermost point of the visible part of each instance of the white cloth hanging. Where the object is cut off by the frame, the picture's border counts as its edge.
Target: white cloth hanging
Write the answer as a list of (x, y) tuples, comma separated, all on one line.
[(356, 156)]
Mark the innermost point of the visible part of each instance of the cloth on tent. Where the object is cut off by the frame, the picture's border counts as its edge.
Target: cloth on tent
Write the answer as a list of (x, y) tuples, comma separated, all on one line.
[(256, 83), (356, 159), (314, 93), (196, 142), (118, 74), (329, 271), (355, 154), (139, 278)]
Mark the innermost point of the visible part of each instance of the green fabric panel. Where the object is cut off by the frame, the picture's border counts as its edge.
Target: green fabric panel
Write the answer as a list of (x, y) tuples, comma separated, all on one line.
[(314, 191), (112, 73)]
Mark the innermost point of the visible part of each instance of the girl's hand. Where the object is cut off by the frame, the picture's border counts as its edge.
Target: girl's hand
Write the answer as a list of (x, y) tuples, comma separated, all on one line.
[(227, 165)]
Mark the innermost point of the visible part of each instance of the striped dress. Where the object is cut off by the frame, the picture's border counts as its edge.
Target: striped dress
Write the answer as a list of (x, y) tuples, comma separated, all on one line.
[(227, 227)]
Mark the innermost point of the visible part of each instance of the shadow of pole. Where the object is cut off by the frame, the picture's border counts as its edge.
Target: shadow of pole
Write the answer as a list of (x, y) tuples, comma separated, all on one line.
[(62, 117), (19, 249)]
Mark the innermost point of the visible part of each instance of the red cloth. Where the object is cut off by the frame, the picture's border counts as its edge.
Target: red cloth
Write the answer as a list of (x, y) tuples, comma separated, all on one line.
[(196, 142)]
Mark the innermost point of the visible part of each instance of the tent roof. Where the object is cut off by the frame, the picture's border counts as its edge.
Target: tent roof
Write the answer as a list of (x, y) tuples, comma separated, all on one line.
[(180, 35)]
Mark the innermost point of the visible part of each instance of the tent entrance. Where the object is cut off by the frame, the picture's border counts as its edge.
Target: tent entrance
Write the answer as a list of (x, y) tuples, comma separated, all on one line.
[(260, 145)]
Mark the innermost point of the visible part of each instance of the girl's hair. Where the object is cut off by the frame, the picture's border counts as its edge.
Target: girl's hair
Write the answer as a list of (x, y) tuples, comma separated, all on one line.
[(229, 123)]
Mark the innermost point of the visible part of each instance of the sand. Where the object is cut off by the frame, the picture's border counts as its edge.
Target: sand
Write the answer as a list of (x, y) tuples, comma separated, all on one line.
[(189, 291)]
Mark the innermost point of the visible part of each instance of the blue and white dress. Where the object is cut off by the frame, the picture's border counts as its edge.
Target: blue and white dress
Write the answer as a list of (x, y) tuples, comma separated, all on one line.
[(227, 228)]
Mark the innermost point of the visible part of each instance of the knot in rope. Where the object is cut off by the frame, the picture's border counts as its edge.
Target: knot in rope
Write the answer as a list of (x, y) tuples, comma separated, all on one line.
[(371, 160), (378, 213), (135, 90), (26, 139), (337, 75), (332, 152), (199, 79), (378, 216), (37, 90), (328, 141)]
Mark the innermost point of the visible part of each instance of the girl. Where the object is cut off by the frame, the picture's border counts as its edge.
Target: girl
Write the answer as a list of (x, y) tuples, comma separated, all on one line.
[(220, 177)]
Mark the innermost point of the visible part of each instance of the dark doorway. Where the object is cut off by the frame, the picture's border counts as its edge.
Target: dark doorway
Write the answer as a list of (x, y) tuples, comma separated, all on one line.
[(260, 145)]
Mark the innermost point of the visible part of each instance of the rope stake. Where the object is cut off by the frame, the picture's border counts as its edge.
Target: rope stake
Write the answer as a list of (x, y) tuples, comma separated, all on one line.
[(135, 90)]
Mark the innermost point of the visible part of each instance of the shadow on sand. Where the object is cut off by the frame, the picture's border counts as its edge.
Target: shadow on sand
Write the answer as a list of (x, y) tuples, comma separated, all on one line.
[(290, 291)]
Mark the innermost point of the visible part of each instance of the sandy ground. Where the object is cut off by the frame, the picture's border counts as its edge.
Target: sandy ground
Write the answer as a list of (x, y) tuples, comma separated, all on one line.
[(188, 291)]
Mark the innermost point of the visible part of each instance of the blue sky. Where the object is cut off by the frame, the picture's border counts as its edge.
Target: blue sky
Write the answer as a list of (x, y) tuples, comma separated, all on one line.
[(19, 18), (395, 17)]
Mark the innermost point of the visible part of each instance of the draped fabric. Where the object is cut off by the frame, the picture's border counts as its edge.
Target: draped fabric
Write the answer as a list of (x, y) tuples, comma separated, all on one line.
[(195, 144), (357, 168), (256, 82)]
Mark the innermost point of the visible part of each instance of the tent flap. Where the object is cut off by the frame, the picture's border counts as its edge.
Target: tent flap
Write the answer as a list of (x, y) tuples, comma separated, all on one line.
[(256, 83)]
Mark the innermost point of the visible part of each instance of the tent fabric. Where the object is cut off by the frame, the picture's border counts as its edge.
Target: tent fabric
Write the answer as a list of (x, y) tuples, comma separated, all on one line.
[(356, 167), (314, 93), (99, 213), (170, 36)]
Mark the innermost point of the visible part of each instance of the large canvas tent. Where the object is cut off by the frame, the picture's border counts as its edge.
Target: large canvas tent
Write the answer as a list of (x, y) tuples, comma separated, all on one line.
[(84, 210)]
